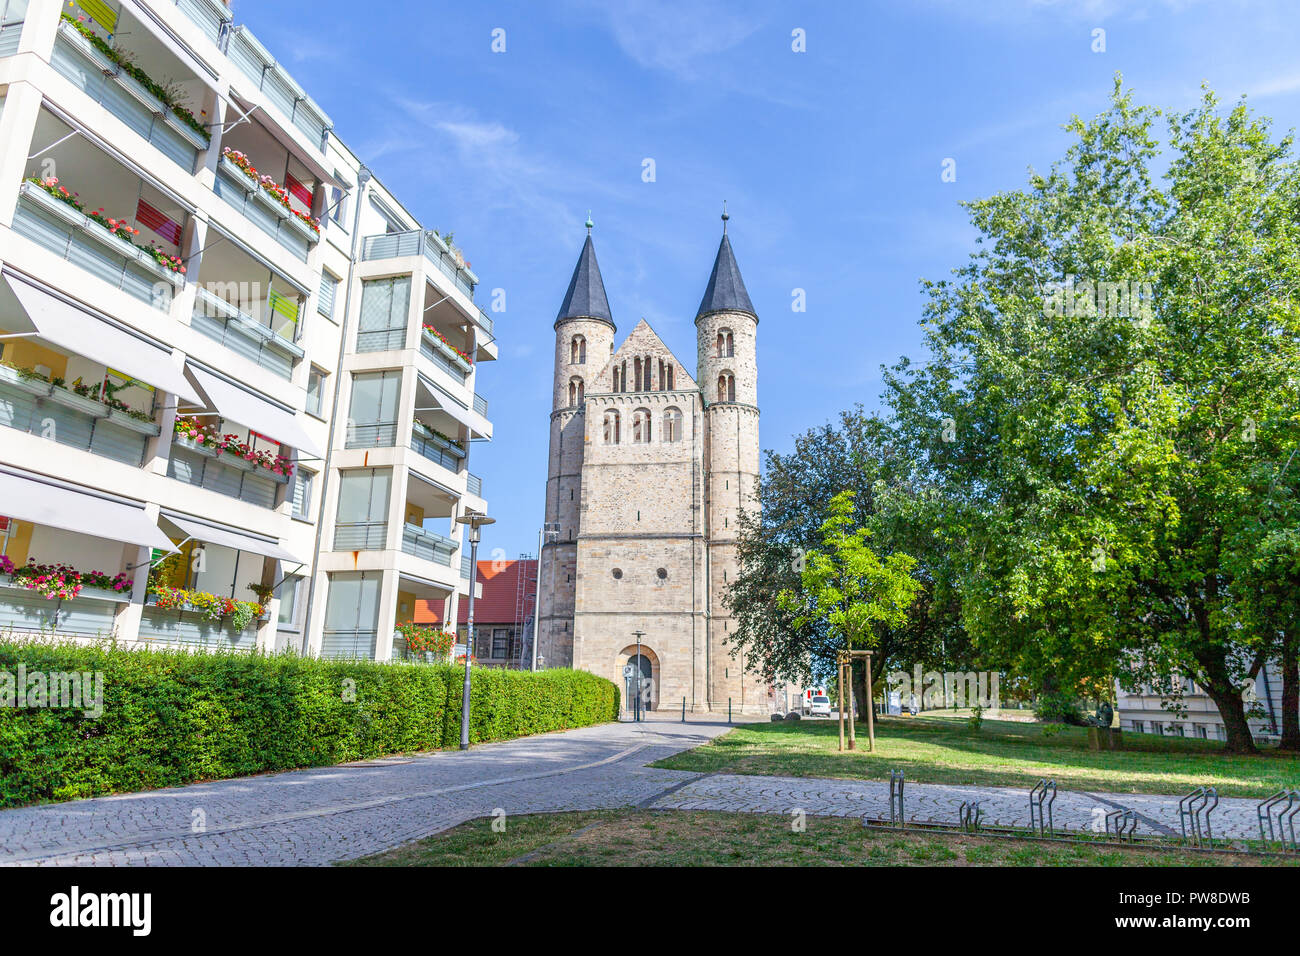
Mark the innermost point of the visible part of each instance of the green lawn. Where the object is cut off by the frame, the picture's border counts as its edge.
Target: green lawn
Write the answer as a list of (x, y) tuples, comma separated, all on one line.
[(702, 838), (1003, 753)]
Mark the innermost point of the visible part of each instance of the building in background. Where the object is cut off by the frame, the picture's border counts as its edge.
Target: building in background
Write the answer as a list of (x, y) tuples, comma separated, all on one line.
[(649, 471), (503, 614), (235, 369), (1140, 711)]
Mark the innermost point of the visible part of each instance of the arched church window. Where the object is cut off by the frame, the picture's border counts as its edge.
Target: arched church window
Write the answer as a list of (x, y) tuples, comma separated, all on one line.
[(611, 428), (575, 391), (672, 425), (726, 344), (578, 350), (641, 426)]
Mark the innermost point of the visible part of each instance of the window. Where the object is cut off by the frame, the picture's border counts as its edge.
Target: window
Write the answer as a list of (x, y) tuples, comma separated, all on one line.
[(363, 510), (611, 428), (482, 644), (726, 387), (618, 574), (384, 307), (641, 427), (351, 615), (372, 413), (670, 385), (662, 574), (575, 392), (337, 209), (315, 391), (302, 489), (726, 345), (325, 300), (578, 350), (500, 643), (672, 425), (289, 602)]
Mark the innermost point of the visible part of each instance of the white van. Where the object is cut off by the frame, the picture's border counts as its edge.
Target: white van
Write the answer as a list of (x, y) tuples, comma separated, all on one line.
[(815, 702)]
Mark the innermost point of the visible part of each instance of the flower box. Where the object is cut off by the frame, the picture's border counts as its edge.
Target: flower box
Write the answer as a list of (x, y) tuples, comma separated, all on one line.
[(141, 94), (131, 423), (230, 460), (184, 609), (87, 406), (33, 386), (89, 594), (245, 181), (192, 136), (264, 196), (87, 49), (307, 231), (448, 351)]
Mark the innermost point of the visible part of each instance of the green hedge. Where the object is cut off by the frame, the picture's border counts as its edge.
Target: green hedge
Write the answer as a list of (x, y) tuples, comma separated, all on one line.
[(174, 717)]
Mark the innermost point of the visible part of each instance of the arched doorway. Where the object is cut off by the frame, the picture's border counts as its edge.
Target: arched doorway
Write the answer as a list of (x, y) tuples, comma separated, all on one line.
[(639, 676)]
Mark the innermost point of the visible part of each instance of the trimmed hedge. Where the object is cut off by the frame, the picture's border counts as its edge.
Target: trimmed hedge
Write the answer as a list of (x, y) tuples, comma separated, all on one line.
[(175, 717)]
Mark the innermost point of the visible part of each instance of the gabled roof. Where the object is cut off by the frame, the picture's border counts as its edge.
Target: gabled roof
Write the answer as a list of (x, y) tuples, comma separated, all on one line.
[(586, 296), (642, 340), (726, 290)]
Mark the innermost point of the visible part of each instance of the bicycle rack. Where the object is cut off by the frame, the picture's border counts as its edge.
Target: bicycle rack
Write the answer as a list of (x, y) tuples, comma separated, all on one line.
[(969, 815), (1040, 807), (1286, 813), (1264, 812), (1125, 821), (896, 814), (1194, 815)]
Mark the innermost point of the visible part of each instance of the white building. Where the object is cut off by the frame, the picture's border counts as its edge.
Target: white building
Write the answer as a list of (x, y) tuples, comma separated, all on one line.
[(315, 323), (1142, 710)]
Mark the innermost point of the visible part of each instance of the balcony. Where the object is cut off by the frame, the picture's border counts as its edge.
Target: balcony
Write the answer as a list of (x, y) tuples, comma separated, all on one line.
[(360, 535), (436, 449), (11, 28), (474, 484), (371, 435), (427, 545), (33, 404), (121, 79), (480, 404), (210, 16), (245, 335), (278, 87), (261, 206), (201, 457), (465, 567), (444, 355), (419, 242)]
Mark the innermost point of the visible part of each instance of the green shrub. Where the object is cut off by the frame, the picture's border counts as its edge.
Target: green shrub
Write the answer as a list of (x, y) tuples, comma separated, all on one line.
[(1053, 707), (174, 717)]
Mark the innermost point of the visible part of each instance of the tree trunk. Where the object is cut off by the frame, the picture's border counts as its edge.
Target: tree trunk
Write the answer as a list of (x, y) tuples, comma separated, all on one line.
[(860, 694), (1233, 711), (1290, 691)]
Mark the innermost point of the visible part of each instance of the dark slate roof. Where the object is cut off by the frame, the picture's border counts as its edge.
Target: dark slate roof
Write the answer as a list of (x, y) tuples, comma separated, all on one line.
[(726, 291), (586, 295)]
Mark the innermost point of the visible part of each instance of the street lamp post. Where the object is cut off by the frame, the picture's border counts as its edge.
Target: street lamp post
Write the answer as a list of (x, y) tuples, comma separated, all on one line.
[(636, 708), (475, 521)]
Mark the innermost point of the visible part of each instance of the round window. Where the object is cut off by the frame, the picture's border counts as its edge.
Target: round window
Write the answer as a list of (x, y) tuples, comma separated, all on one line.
[(618, 573), (663, 573)]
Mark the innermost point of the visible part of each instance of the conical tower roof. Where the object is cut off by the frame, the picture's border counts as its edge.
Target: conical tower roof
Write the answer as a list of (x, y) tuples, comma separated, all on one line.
[(586, 296), (726, 291)]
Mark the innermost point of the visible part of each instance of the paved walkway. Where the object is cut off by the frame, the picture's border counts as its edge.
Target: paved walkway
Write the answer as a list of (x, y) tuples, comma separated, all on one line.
[(313, 817)]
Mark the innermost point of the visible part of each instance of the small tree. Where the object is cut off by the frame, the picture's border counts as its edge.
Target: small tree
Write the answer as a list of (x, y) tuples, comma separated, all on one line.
[(847, 588)]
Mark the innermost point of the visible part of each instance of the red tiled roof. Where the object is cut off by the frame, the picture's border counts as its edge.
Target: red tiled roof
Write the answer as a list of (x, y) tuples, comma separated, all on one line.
[(497, 602)]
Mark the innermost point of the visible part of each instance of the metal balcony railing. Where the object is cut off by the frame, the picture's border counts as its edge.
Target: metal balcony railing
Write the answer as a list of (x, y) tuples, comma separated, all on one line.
[(427, 448), (428, 544), (417, 242), (464, 567), (348, 642), (480, 404), (241, 333), (40, 409), (474, 485)]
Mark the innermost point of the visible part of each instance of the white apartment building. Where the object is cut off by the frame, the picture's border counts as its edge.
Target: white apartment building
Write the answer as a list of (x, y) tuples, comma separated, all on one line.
[(237, 377), (1142, 711)]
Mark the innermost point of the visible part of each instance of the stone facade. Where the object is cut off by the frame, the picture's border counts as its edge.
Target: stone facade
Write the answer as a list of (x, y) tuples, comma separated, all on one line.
[(649, 469)]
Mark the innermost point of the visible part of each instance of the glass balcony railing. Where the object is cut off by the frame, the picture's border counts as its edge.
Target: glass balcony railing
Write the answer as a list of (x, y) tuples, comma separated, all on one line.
[(41, 408), (88, 69), (474, 485), (449, 362), (258, 206), (278, 86), (348, 643), (428, 545), (371, 435), (435, 450), (76, 237), (209, 15), (241, 333), (464, 567), (229, 476), (418, 242), (11, 29), (480, 404), (360, 535)]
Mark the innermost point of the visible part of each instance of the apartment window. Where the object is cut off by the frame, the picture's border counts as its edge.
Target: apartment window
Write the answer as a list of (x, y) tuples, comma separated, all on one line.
[(302, 489), (337, 210), (325, 301), (384, 307), (363, 509), (500, 643), (351, 615), (315, 391), (372, 413), (1139, 726), (482, 645), (288, 593)]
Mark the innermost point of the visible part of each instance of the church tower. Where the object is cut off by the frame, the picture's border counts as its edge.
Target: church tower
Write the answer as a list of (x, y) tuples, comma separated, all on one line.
[(727, 371), (584, 341)]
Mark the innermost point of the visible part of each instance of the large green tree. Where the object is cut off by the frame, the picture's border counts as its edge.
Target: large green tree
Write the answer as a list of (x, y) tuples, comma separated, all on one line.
[(1099, 375)]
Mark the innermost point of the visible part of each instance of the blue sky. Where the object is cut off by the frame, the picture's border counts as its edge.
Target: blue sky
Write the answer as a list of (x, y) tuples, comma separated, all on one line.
[(830, 160)]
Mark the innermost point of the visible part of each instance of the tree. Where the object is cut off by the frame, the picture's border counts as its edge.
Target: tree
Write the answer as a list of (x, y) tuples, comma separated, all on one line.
[(1094, 372), (846, 589)]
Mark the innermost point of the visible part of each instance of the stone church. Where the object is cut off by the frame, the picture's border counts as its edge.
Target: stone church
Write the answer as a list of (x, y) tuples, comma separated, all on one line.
[(650, 466)]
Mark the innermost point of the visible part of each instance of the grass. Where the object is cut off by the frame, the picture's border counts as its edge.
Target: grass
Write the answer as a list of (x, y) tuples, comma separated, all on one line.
[(1003, 754), (704, 838)]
